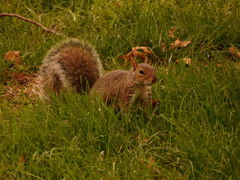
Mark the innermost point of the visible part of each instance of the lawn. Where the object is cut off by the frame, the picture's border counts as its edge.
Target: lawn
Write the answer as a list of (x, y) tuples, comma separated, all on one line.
[(193, 132)]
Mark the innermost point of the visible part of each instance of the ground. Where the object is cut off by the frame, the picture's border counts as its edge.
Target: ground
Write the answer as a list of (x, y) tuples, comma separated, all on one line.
[(192, 133)]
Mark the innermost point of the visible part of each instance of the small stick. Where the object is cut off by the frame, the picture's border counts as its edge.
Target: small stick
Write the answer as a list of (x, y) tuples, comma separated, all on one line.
[(28, 20)]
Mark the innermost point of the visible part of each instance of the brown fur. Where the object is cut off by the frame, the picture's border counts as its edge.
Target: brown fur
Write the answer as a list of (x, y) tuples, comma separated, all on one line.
[(71, 64), (122, 88)]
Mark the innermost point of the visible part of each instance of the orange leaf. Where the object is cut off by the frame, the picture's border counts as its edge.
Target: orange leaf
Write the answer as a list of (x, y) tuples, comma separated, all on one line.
[(140, 51), (219, 65), (164, 46), (185, 60), (151, 162), (13, 56), (21, 160), (238, 54), (179, 43), (171, 33), (117, 3), (234, 51), (142, 140), (22, 78), (126, 57)]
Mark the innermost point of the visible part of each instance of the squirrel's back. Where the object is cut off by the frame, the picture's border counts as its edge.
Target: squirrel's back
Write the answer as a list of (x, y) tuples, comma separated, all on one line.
[(70, 64)]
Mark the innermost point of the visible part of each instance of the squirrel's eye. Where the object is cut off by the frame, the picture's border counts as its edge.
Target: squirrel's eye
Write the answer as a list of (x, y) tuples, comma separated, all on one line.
[(141, 72)]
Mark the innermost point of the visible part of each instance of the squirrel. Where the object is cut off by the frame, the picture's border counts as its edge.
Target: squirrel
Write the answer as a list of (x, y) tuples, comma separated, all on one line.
[(74, 64), (123, 88)]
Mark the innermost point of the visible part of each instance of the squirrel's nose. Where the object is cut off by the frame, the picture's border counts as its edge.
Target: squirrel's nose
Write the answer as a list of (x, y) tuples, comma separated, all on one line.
[(154, 79)]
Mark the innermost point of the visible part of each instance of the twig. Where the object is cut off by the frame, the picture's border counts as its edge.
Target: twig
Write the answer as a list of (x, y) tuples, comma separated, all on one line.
[(28, 20)]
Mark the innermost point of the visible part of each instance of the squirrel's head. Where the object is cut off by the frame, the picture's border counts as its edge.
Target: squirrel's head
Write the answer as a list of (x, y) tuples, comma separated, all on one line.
[(144, 74)]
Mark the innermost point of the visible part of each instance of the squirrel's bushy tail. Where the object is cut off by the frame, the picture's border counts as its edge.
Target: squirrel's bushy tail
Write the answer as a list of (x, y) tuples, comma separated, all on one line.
[(71, 64)]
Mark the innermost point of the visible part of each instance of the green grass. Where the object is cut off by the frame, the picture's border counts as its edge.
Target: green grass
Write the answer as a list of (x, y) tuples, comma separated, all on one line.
[(192, 134)]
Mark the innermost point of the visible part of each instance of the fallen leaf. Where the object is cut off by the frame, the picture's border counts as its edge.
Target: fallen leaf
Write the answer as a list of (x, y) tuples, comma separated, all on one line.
[(171, 33), (178, 43), (151, 162), (234, 51), (219, 65), (164, 46), (139, 51), (185, 60), (142, 140), (13, 56), (21, 160), (238, 54), (21, 78), (117, 3), (126, 57), (142, 49), (21, 84)]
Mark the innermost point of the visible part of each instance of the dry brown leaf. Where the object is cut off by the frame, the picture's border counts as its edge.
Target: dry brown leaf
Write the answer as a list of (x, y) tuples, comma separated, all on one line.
[(142, 140), (178, 43), (22, 84), (164, 46), (142, 52), (21, 160), (13, 56), (238, 54), (142, 49), (219, 65), (126, 57), (139, 51), (171, 33), (234, 51), (22, 78), (151, 162), (117, 3), (185, 60)]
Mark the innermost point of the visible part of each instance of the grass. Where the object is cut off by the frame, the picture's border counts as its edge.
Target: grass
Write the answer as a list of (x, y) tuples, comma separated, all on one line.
[(192, 134)]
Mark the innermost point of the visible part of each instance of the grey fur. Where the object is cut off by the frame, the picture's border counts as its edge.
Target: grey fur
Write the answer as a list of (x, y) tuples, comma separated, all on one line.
[(74, 64), (123, 88), (71, 64)]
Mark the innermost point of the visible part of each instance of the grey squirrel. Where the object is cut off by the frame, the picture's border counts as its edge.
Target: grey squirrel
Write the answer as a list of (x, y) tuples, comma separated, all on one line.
[(123, 88), (74, 64)]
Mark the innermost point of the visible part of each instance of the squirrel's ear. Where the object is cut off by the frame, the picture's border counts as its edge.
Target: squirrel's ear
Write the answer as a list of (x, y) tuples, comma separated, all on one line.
[(134, 64), (147, 61)]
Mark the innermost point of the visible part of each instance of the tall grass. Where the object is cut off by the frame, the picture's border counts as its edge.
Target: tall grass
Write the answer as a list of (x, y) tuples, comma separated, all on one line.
[(192, 134)]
